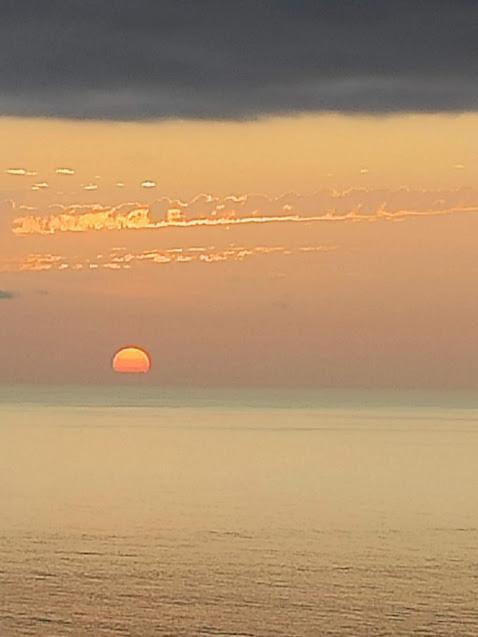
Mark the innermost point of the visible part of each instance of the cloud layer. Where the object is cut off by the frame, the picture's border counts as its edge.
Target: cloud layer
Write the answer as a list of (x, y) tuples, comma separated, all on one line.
[(208, 210), (215, 59), (122, 259)]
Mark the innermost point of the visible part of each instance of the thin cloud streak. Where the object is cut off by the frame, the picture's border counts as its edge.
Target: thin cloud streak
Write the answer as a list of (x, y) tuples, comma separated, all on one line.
[(122, 259), (354, 205), (20, 172)]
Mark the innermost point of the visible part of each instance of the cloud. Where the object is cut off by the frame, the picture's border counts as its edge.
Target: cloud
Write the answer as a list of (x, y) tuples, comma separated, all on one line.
[(122, 259), (29, 263), (353, 205), (20, 172), (5, 295), (65, 171), (214, 59)]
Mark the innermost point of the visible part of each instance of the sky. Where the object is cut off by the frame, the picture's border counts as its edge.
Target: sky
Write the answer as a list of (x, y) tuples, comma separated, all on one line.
[(258, 194)]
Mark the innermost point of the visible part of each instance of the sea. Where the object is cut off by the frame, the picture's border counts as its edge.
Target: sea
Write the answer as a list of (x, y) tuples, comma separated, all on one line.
[(141, 511)]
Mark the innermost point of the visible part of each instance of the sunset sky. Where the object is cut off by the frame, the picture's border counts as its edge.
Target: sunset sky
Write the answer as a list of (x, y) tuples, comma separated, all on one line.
[(242, 191)]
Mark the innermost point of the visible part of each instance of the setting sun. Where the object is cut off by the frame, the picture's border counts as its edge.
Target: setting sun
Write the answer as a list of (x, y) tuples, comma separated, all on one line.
[(131, 360)]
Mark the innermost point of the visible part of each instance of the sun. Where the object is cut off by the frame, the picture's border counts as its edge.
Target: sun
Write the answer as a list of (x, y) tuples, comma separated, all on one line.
[(131, 360)]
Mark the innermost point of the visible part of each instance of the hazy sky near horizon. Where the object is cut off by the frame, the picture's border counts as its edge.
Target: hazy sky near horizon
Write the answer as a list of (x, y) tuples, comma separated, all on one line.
[(326, 239)]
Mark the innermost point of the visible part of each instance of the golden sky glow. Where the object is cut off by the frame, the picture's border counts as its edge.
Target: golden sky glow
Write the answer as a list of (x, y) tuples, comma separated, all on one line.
[(297, 251), (270, 156)]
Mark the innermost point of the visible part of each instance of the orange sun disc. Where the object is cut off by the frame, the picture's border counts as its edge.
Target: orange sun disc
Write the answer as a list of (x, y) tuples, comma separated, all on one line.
[(131, 360)]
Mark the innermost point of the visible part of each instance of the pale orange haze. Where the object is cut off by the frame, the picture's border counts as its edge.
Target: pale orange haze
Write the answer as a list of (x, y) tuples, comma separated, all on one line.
[(295, 251)]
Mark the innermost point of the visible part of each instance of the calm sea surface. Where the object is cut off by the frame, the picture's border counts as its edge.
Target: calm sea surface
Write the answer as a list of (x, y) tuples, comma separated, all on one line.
[(141, 512)]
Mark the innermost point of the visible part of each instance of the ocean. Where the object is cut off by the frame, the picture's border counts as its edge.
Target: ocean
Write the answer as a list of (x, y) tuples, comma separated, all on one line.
[(143, 511)]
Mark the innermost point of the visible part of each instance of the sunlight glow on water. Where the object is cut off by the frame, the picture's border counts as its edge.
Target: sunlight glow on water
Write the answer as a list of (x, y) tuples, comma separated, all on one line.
[(268, 513)]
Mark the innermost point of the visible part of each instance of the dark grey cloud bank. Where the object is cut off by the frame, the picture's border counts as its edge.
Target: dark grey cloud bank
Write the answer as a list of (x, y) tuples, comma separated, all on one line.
[(140, 59)]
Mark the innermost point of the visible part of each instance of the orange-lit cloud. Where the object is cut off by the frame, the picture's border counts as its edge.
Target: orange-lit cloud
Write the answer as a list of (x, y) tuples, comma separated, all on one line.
[(210, 210), (122, 259), (30, 263), (20, 172), (83, 219)]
